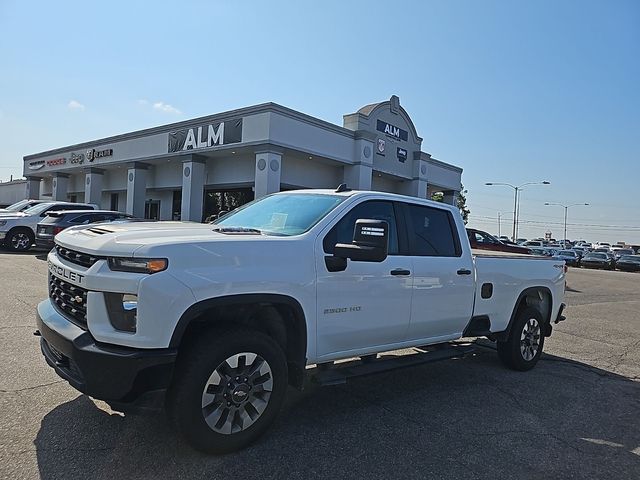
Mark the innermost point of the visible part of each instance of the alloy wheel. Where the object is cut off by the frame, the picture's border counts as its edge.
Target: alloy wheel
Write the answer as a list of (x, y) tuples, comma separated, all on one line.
[(530, 339), (237, 393)]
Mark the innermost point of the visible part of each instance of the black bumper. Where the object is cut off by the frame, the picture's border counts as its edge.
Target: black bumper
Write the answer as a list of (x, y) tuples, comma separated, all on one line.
[(43, 243), (118, 375)]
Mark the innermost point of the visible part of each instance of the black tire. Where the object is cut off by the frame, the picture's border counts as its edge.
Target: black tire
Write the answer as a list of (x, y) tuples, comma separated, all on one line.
[(523, 354), (19, 239), (209, 356)]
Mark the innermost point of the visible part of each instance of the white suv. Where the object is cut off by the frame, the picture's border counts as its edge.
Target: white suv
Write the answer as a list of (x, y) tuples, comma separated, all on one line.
[(18, 229)]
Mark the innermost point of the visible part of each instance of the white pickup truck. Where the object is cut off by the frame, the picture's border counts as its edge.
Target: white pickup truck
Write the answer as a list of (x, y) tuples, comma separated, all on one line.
[(213, 321)]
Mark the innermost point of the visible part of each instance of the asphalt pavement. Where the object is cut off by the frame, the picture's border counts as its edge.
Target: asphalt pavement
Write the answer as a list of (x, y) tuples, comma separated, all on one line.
[(576, 415)]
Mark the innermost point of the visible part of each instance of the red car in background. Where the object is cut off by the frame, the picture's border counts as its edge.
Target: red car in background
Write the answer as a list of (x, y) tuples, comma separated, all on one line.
[(485, 241)]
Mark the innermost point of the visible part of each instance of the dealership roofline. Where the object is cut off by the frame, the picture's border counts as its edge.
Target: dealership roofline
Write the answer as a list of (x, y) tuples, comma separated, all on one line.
[(228, 115)]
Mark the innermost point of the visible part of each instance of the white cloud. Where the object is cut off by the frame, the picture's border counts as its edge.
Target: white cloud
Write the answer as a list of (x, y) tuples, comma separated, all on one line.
[(166, 108), (75, 105)]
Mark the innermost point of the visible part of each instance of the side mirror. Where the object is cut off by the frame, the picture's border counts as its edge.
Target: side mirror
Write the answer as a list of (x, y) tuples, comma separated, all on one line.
[(370, 242)]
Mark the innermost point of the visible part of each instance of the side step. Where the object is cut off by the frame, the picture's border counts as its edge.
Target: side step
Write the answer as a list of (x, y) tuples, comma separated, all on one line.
[(339, 373)]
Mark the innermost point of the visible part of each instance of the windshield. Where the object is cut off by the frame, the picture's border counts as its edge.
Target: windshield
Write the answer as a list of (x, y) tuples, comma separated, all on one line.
[(37, 209), (624, 252), (16, 207), (567, 253), (601, 256), (631, 258), (283, 214)]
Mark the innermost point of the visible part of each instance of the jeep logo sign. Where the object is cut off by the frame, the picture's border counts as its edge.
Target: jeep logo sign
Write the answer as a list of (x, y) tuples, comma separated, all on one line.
[(204, 136)]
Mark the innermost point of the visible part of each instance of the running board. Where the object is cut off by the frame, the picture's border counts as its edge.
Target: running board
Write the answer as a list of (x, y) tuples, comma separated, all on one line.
[(339, 373)]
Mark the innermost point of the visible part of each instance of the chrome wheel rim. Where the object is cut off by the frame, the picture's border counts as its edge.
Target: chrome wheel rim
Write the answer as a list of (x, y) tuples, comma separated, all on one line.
[(237, 393), (20, 241), (530, 339)]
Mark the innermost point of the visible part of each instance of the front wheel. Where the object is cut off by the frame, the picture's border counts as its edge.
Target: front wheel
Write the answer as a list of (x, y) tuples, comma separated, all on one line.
[(19, 240), (522, 350), (228, 389)]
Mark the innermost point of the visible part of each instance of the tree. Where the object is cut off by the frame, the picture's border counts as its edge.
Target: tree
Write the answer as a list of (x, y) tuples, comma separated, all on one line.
[(461, 202)]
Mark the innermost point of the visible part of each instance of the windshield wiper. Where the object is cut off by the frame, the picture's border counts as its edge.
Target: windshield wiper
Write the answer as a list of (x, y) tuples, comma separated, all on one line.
[(238, 230)]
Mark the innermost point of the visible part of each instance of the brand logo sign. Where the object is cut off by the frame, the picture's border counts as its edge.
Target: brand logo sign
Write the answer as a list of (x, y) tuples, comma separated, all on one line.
[(36, 165), (93, 154), (76, 158), (204, 136), (392, 131), (56, 161), (380, 146), (402, 154)]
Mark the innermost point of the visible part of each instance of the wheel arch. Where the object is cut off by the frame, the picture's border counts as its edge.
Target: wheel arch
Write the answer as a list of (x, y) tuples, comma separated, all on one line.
[(279, 316), (539, 298)]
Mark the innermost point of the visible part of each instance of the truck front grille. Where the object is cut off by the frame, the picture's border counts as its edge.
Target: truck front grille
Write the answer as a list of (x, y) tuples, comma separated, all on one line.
[(78, 258), (70, 299)]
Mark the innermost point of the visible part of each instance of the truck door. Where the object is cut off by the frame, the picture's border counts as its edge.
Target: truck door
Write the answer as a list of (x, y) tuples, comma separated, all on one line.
[(443, 284), (369, 303)]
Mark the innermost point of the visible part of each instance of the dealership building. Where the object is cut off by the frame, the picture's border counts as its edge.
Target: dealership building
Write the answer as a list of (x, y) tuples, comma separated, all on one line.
[(194, 169)]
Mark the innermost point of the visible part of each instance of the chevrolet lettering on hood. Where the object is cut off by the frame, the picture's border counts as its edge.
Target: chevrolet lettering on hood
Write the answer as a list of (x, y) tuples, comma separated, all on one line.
[(66, 274)]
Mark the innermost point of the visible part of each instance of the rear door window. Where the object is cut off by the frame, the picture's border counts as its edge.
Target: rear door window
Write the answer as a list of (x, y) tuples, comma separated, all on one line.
[(432, 232)]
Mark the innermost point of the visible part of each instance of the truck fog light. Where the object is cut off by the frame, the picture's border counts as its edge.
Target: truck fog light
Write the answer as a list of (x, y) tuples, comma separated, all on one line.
[(123, 311)]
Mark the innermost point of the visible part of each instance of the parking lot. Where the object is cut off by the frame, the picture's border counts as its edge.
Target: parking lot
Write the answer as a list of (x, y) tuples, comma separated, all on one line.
[(576, 415)]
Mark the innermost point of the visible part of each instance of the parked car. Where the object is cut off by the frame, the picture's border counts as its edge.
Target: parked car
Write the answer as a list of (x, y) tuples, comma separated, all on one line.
[(57, 221), (629, 263), (570, 257), (598, 260), (18, 230), (485, 241), (580, 251), (533, 243), (20, 206), (620, 252)]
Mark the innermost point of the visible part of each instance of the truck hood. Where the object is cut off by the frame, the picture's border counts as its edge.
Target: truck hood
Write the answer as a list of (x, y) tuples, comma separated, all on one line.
[(124, 239)]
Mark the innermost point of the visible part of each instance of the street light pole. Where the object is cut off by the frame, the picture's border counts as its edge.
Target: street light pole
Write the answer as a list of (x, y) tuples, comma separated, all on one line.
[(516, 197), (566, 208)]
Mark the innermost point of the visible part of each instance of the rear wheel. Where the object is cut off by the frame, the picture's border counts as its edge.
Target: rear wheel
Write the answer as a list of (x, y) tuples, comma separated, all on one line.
[(228, 389), (522, 350), (19, 240)]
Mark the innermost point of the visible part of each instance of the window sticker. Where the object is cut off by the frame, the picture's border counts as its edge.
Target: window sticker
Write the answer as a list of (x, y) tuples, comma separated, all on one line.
[(279, 220)]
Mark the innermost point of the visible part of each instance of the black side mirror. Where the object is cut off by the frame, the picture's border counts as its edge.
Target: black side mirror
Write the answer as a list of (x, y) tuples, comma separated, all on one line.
[(370, 242)]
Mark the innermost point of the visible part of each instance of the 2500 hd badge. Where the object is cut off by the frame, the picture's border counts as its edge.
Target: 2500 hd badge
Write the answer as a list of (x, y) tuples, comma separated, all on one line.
[(64, 273)]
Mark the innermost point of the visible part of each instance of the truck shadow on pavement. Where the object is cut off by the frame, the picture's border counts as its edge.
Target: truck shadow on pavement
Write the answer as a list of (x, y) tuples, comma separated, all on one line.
[(466, 418)]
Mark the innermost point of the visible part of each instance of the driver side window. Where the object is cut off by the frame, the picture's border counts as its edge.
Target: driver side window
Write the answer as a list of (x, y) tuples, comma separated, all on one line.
[(342, 232)]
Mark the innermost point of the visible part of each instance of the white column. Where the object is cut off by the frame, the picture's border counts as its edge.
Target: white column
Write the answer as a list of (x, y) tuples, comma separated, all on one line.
[(417, 187), (60, 184), (268, 168), (136, 189), (33, 188), (358, 175), (450, 197), (93, 186), (192, 189)]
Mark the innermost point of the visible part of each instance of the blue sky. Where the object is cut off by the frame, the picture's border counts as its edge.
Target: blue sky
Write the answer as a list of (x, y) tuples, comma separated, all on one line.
[(512, 91)]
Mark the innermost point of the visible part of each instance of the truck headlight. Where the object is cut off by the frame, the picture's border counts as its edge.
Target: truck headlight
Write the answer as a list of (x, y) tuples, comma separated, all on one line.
[(123, 311), (138, 265)]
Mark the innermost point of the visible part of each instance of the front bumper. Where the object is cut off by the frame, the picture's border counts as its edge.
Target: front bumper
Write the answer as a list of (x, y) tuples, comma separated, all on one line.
[(118, 375)]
